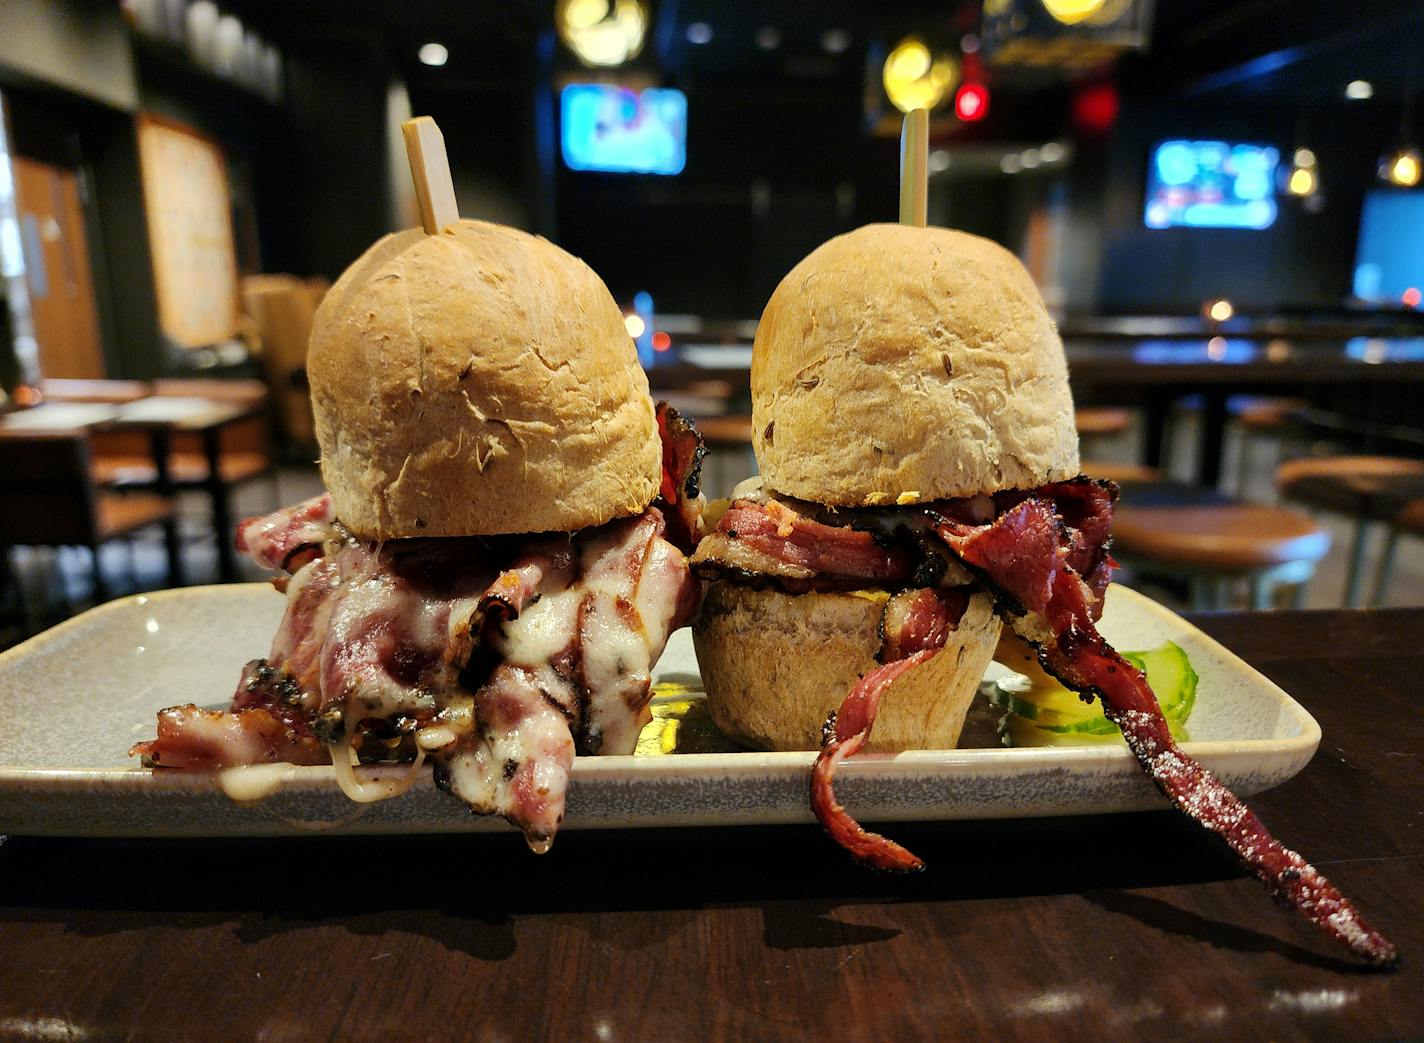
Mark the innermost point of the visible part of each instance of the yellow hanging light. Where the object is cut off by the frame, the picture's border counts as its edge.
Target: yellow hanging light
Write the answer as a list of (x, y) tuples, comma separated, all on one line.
[(1071, 12), (1403, 168), (915, 78), (1304, 178), (603, 33)]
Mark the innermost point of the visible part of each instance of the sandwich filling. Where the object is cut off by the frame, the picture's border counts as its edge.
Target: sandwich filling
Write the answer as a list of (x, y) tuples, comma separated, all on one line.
[(1043, 555), (498, 658)]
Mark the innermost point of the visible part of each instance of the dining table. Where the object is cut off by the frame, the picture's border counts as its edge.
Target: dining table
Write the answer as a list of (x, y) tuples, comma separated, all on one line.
[(1159, 373), (1118, 926), (160, 418)]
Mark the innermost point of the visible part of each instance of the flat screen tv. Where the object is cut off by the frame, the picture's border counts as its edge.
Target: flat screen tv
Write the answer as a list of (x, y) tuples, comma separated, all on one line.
[(1211, 184), (1389, 257), (617, 130)]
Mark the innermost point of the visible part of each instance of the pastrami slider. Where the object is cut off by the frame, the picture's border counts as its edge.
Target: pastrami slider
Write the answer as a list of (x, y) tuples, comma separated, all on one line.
[(909, 389), (487, 582), (893, 367)]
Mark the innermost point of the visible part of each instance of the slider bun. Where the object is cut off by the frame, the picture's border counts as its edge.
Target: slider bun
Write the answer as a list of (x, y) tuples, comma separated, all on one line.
[(476, 382), (897, 360), (774, 665)]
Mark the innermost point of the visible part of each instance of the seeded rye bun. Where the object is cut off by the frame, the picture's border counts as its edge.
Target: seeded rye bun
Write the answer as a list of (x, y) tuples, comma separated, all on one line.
[(893, 365), (476, 382), (899, 362)]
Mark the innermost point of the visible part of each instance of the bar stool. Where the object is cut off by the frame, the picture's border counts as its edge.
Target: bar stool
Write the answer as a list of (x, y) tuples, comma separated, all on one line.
[(1214, 541), (1261, 417), (1101, 421), (1123, 474), (1098, 424), (1409, 521), (1369, 489)]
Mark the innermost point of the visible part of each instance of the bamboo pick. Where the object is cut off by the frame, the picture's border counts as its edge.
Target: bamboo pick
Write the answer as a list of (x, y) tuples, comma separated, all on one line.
[(914, 168), (430, 170)]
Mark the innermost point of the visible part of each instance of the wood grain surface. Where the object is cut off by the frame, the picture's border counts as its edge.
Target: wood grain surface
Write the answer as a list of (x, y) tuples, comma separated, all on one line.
[(1112, 927)]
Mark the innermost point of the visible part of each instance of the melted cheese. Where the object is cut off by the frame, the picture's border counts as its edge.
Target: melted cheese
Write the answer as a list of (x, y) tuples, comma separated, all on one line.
[(252, 782), (363, 791), (543, 630), (383, 632), (875, 597)]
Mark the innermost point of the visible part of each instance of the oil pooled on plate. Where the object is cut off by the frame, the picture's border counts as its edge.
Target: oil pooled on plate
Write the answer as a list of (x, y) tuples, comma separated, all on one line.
[(681, 724)]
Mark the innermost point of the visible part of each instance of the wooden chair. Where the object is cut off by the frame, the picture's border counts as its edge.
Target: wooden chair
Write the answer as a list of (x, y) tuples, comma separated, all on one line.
[(48, 499), (1214, 541), (124, 458), (281, 309), (1369, 489)]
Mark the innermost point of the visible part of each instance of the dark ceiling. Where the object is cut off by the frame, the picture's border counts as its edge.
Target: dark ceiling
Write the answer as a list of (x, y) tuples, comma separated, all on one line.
[(1290, 50), (1281, 51)]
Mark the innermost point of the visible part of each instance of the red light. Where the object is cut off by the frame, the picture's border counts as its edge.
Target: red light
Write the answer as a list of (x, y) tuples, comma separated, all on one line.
[(1095, 109), (971, 102), (1411, 297), (661, 341)]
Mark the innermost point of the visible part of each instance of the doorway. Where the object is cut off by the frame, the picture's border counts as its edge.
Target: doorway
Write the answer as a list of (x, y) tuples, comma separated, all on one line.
[(60, 281)]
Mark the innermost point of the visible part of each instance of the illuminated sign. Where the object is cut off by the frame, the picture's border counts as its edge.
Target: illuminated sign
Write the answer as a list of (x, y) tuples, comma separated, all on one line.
[(1211, 184), (618, 130)]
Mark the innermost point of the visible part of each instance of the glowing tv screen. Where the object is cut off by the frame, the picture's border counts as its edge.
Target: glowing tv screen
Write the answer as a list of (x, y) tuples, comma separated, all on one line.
[(1389, 263), (622, 131), (1211, 184)]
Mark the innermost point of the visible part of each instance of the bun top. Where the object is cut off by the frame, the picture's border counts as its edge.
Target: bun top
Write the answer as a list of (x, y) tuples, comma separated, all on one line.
[(901, 364), (476, 382)]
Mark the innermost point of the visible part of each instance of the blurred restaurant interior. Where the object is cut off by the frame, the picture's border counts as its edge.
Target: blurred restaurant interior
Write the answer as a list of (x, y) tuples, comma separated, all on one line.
[(1220, 202)]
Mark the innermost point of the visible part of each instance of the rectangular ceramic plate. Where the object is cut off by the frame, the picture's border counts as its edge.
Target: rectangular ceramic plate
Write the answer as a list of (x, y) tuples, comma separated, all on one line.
[(74, 699)]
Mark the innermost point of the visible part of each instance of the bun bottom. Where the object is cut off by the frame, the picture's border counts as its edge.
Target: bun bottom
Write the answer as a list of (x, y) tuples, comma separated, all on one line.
[(775, 665)]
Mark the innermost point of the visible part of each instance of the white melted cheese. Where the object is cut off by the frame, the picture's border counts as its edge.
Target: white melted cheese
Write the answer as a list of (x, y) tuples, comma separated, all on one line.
[(369, 790), (543, 630), (574, 662), (252, 782)]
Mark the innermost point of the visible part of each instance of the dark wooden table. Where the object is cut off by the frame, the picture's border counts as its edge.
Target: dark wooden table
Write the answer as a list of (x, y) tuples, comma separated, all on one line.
[(1131, 926), (1160, 372)]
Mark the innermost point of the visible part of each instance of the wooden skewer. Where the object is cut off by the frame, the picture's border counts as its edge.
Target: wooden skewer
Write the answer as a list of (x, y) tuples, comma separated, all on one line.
[(915, 168), (430, 170)]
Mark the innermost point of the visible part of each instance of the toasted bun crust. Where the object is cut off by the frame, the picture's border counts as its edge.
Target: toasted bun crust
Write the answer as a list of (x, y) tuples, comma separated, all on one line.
[(917, 362), (476, 382), (774, 665)]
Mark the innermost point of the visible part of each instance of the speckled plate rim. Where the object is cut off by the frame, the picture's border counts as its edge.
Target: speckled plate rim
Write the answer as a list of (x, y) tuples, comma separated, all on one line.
[(1250, 765)]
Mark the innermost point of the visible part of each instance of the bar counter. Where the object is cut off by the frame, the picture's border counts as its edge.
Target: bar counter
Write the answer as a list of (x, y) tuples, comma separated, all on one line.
[(1125, 926)]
